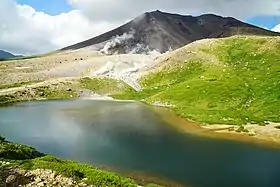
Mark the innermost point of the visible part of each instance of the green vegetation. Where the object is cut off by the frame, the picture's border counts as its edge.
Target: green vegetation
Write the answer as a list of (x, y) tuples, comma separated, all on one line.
[(104, 85), (242, 129), (54, 91), (223, 81), (79, 171), (14, 151), (58, 91), (28, 158), (7, 99), (18, 84)]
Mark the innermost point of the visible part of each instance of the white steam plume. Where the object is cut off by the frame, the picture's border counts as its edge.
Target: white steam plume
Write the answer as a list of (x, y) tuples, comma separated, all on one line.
[(117, 40)]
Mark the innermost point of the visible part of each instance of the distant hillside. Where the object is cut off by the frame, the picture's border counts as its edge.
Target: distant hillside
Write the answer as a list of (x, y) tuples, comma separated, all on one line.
[(6, 55), (164, 31), (218, 81)]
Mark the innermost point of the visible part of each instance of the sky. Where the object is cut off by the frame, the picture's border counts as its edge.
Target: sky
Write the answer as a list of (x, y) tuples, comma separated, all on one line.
[(38, 26)]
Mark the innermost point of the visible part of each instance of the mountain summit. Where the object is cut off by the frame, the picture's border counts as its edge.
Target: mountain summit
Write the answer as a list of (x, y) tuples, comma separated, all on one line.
[(162, 31)]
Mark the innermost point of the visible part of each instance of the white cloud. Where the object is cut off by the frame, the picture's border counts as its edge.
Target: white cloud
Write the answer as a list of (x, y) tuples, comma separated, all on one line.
[(276, 28), (25, 31), (127, 9)]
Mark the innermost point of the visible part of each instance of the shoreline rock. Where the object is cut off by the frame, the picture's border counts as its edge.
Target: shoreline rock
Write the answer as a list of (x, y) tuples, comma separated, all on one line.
[(15, 177)]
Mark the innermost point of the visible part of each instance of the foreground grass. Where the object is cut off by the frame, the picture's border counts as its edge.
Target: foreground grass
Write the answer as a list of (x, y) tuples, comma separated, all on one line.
[(28, 158), (225, 81)]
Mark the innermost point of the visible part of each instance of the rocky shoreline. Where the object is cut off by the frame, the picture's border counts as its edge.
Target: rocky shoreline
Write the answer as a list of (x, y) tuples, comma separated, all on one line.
[(16, 177)]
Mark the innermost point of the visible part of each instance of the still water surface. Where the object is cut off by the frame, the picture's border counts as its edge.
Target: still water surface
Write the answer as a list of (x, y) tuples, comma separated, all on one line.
[(130, 136)]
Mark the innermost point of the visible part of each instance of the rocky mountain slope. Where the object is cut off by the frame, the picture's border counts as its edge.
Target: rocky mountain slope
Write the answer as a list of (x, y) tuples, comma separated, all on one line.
[(164, 31)]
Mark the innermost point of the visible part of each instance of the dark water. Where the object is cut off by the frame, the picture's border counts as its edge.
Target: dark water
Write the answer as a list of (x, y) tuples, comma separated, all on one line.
[(129, 136)]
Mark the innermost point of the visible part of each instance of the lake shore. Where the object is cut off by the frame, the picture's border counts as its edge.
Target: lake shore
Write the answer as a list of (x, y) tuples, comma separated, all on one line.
[(265, 135), (195, 128)]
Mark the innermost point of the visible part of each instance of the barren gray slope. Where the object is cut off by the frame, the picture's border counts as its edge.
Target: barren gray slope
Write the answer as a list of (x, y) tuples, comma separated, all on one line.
[(163, 31)]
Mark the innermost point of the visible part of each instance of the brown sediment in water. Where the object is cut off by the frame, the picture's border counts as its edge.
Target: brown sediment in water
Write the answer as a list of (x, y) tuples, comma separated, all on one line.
[(267, 136), (143, 178)]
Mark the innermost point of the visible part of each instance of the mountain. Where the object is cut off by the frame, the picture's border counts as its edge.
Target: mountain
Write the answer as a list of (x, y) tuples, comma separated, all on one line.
[(164, 31), (5, 55)]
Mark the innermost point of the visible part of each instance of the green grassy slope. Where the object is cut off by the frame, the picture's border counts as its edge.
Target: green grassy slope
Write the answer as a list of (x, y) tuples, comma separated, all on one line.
[(221, 81), (104, 85)]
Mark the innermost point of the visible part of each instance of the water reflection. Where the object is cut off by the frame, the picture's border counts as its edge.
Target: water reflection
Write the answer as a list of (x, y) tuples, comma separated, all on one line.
[(131, 137)]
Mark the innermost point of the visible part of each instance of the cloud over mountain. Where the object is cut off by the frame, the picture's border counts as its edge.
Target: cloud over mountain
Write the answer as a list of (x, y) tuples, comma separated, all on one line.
[(23, 30), (127, 9)]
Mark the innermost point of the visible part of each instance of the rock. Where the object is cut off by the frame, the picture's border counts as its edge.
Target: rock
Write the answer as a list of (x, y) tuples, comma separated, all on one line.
[(41, 94), (21, 172), (82, 184), (11, 179), (252, 134), (55, 183), (53, 175), (38, 180), (41, 184)]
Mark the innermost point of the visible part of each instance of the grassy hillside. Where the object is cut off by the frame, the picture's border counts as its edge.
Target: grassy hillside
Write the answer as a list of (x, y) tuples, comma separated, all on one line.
[(104, 85), (219, 81)]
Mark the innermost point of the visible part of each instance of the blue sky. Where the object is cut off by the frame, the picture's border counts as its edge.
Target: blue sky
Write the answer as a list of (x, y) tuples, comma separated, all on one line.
[(52, 7), (265, 21)]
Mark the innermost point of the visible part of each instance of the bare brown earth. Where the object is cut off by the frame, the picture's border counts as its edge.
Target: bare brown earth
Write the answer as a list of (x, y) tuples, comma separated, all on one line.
[(268, 132)]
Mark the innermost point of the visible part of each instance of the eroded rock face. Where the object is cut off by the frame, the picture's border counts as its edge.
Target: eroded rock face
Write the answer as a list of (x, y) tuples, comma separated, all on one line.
[(14, 177)]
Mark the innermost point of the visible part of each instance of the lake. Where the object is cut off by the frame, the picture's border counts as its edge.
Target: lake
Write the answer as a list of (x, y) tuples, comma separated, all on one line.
[(131, 137)]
